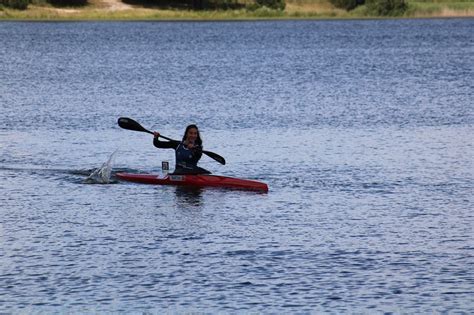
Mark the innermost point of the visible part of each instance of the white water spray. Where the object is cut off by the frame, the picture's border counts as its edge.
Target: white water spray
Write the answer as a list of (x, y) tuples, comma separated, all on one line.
[(102, 174)]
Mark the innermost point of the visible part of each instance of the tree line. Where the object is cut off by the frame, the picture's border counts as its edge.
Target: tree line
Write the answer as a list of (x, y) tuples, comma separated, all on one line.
[(180, 4), (373, 7)]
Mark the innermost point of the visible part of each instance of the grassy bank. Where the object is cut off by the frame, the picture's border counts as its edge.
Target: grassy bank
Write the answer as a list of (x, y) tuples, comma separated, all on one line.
[(295, 9), (445, 8)]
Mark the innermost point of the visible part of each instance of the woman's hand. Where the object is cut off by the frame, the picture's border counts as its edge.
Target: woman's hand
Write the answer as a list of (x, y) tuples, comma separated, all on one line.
[(156, 134), (196, 149)]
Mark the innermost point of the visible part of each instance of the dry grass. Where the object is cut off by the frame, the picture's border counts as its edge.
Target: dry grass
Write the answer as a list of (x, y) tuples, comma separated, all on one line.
[(312, 8), (441, 8), (445, 13), (456, 13)]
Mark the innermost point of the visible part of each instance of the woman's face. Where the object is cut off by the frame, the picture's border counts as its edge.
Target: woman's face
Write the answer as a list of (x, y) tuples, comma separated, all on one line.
[(192, 135)]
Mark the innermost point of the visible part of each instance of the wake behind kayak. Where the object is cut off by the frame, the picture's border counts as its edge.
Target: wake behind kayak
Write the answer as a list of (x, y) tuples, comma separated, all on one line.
[(195, 181)]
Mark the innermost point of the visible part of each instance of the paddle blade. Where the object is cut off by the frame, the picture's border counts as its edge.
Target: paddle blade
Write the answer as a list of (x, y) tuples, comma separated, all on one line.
[(130, 124), (215, 156)]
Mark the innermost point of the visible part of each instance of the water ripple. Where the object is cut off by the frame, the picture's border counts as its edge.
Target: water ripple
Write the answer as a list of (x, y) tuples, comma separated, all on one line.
[(364, 138)]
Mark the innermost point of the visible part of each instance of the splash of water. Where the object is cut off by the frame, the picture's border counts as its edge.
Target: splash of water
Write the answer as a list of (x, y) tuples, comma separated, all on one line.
[(102, 174)]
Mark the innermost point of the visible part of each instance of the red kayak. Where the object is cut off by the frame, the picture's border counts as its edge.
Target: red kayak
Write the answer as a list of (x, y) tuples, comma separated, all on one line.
[(195, 181)]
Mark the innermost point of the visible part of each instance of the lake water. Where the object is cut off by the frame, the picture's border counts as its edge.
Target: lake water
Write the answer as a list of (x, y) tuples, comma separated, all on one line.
[(363, 131)]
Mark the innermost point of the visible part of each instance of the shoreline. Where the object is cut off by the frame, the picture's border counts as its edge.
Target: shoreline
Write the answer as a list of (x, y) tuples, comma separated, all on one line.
[(157, 20), (115, 10)]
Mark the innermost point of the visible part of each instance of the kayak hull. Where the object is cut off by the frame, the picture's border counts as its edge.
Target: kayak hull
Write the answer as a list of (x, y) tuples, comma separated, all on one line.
[(195, 181)]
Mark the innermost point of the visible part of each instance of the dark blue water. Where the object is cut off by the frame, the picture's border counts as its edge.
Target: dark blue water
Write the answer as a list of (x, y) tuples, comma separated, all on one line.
[(362, 129)]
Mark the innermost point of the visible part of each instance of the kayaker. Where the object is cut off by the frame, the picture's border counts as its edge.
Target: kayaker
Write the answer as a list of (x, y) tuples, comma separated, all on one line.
[(187, 152)]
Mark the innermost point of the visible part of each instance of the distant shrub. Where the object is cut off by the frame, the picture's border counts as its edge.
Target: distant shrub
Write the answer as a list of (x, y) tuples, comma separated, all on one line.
[(221, 4), (386, 7), (272, 4), (68, 3), (189, 4), (265, 12), (15, 4), (346, 4)]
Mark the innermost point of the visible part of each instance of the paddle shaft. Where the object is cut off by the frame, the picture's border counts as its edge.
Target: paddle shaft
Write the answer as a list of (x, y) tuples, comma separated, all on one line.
[(161, 136), (130, 124)]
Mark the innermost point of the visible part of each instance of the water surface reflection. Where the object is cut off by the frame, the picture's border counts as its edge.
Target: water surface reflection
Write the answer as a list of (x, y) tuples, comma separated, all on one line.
[(189, 196)]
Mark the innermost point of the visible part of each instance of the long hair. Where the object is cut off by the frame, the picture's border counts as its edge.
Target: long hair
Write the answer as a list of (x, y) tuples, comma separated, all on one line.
[(198, 139)]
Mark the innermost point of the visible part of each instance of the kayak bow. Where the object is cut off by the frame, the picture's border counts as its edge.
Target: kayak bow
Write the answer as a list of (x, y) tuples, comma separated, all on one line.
[(195, 181)]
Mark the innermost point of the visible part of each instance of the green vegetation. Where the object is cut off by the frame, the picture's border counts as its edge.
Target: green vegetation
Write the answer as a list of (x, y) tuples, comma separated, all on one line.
[(209, 4), (374, 7), (229, 9), (272, 4), (386, 7), (15, 4), (346, 4), (67, 3), (189, 4)]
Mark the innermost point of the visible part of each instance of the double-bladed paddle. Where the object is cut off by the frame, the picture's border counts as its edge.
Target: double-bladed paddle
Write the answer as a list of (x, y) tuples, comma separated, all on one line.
[(130, 124)]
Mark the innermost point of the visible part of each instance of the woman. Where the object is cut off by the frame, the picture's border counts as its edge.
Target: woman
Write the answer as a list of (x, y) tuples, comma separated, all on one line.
[(187, 152)]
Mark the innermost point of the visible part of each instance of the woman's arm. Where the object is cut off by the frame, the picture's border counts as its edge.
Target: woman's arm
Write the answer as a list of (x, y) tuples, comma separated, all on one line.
[(197, 153), (173, 144)]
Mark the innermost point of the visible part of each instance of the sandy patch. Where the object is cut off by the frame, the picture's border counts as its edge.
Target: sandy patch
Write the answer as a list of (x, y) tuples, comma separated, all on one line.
[(456, 13), (101, 5), (114, 5)]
